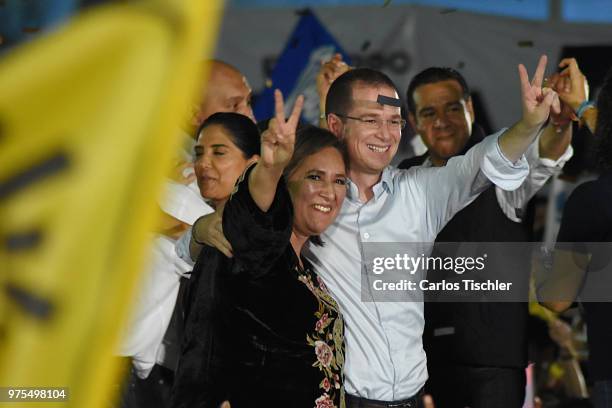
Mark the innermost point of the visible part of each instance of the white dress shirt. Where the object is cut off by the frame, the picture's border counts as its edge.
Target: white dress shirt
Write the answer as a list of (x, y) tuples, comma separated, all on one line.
[(184, 202), (152, 310), (143, 336), (385, 359)]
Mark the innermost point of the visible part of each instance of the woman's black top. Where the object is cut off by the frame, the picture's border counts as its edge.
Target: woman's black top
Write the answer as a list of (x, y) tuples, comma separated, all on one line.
[(587, 217), (260, 331)]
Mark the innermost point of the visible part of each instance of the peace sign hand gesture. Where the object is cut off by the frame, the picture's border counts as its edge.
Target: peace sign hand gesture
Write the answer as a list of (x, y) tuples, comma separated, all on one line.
[(278, 140), (537, 101), (277, 144)]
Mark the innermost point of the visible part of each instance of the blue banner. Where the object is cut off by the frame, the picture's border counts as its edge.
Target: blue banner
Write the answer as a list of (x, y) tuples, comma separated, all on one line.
[(297, 67)]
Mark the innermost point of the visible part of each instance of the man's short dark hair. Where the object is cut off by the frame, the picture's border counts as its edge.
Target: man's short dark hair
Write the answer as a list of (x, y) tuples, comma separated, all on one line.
[(340, 96), (432, 75)]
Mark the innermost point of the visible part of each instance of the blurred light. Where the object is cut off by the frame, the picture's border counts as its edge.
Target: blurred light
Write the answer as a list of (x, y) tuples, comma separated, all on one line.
[(587, 11), (527, 9), (21, 20)]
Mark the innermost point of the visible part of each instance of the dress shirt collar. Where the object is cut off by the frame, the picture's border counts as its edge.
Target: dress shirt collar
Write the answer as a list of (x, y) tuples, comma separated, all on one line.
[(385, 184), (427, 162)]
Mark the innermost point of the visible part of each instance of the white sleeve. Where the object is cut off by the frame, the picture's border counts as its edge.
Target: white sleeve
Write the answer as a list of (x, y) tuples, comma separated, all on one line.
[(181, 248), (513, 203), (450, 188), (152, 308), (184, 202)]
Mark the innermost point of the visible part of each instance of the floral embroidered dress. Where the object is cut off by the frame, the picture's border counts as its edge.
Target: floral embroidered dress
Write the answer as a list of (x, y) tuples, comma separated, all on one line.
[(261, 331)]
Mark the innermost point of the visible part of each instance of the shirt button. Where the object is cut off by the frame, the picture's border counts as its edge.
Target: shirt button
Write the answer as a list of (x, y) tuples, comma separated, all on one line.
[(366, 235)]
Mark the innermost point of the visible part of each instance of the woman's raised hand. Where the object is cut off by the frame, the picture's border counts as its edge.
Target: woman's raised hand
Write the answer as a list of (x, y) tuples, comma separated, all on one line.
[(278, 140)]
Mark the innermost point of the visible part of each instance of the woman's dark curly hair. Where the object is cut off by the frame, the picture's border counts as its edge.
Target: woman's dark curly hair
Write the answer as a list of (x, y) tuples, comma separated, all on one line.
[(603, 130)]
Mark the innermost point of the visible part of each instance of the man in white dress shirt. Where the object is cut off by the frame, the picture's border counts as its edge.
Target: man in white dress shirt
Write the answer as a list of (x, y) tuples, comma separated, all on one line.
[(386, 364)]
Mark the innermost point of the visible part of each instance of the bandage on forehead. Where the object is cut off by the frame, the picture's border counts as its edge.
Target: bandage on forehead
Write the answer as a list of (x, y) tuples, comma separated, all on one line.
[(376, 104), (386, 100)]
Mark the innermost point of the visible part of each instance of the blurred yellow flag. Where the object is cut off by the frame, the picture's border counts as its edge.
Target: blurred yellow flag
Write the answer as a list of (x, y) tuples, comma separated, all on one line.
[(88, 125)]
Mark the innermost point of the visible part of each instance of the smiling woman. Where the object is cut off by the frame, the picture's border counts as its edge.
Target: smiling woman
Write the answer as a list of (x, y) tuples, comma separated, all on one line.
[(316, 190), (227, 144), (262, 329)]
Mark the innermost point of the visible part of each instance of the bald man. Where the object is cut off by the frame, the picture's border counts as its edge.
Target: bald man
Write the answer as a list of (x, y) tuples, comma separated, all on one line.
[(226, 90)]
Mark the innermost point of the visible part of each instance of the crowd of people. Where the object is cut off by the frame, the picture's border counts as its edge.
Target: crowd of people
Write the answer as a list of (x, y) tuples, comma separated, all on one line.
[(255, 295)]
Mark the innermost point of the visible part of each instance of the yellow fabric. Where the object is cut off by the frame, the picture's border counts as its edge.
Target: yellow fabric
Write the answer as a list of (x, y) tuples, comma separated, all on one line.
[(99, 99)]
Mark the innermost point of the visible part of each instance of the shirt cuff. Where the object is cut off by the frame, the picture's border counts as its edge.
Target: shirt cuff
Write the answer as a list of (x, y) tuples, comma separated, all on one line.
[(499, 169), (560, 162), (182, 248)]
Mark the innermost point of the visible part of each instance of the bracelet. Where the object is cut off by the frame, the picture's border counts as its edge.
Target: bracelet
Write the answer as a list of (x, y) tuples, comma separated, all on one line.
[(583, 107)]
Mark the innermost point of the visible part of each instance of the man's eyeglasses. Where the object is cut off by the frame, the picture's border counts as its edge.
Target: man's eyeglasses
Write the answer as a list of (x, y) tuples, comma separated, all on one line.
[(376, 123)]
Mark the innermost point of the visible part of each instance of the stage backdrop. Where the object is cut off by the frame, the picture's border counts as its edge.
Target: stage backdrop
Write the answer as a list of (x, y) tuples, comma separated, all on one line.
[(402, 40)]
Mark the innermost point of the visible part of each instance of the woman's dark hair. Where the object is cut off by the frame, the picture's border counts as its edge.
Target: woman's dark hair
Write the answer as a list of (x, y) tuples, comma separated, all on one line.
[(603, 129), (310, 140), (242, 130)]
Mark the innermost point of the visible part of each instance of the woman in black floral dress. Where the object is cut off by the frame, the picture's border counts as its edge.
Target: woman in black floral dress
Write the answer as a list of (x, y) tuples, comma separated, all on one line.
[(263, 330)]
